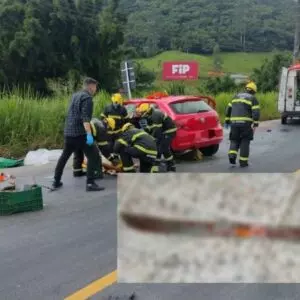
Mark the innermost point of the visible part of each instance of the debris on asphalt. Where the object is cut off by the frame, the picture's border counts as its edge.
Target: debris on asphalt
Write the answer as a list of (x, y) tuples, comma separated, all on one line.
[(149, 257)]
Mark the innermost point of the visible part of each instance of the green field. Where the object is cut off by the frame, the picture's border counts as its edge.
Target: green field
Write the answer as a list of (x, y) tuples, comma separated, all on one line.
[(242, 63)]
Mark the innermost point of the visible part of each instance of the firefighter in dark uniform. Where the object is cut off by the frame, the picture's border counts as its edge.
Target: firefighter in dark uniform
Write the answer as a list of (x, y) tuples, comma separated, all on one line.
[(136, 143), (243, 113), (119, 113), (100, 130), (162, 128)]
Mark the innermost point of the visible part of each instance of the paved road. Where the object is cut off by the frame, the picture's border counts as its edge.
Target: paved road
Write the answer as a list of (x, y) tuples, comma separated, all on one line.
[(72, 242), (203, 292), (52, 253), (274, 150)]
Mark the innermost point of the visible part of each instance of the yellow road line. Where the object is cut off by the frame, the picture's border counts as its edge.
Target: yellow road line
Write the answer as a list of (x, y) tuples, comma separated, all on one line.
[(95, 287)]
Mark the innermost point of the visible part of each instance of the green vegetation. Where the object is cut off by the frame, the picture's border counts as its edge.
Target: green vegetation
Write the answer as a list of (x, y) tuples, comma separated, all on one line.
[(197, 26), (50, 45), (60, 39), (268, 104), (232, 62), (28, 123)]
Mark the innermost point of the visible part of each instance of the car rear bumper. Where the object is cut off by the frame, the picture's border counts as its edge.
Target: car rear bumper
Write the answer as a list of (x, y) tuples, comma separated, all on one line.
[(186, 140)]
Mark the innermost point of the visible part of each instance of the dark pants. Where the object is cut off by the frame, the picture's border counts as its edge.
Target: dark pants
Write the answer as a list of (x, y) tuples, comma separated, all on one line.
[(164, 148), (240, 137), (147, 163), (96, 166), (106, 150), (77, 145)]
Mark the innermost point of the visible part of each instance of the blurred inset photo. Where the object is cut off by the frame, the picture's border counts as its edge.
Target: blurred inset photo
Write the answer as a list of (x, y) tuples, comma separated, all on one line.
[(209, 228)]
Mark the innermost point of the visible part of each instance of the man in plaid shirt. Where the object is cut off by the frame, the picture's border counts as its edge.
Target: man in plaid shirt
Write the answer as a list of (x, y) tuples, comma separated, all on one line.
[(78, 134)]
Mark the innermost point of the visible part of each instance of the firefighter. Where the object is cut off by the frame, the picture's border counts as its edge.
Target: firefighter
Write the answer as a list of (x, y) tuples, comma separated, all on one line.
[(136, 143), (162, 128), (243, 113), (118, 112), (99, 130)]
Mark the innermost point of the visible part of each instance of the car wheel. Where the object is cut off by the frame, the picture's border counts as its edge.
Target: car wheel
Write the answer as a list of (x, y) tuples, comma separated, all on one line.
[(209, 151), (283, 120)]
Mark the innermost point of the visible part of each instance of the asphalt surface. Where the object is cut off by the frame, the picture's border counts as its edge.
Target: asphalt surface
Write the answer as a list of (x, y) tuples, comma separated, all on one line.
[(52, 253), (275, 149)]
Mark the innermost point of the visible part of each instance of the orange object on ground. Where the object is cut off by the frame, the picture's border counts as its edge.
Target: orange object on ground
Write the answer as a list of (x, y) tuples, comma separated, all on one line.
[(2, 177)]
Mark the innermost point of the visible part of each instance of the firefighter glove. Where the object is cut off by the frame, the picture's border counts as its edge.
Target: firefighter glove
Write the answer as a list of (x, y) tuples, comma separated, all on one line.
[(89, 139)]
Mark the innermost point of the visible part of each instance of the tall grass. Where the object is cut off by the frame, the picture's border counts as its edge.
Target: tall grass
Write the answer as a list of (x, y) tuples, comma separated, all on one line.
[(268, 105), (28, 123)]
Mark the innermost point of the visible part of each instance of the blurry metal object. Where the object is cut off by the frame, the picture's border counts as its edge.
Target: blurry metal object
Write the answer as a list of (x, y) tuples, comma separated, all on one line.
[(209, 228)]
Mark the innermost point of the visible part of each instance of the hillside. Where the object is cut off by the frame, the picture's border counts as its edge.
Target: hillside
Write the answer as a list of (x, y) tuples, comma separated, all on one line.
[(197, 25), (233, 62)]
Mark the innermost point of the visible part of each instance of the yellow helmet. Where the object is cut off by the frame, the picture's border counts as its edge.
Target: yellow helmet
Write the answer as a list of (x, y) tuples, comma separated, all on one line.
[(251, 86), (117, 99), (126, 126), (111, 123), (143, 108)]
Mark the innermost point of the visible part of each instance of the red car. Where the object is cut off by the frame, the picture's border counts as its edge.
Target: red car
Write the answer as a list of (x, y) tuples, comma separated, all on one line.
[(198, 123)]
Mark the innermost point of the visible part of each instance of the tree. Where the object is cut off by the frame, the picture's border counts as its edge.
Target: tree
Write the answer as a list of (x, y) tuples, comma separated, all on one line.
[(60, 39), (217, 59), (267, 76)]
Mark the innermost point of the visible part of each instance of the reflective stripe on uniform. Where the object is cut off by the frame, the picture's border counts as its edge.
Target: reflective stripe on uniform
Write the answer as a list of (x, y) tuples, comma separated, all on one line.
[(128, 168), (229, 104), (114, 131), (94, 130), (77, 170), (151, 152), (169, 158), (241, 119), (154, 169), (102, 143), (232, 152), (155, 126), (137, 135), (170, 130), (255, 107), (243, 158), (123, 142), (242, 101), (115, 117)]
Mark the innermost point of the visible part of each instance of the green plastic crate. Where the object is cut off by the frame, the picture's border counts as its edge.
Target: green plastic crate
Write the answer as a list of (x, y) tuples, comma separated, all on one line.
[(23, 201)]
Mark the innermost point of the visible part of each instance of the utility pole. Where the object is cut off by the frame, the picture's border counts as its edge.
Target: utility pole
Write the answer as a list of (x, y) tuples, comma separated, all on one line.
[(297, 33)]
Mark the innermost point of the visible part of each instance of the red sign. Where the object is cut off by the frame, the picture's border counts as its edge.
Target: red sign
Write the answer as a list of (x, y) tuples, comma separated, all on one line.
[(180, 70)]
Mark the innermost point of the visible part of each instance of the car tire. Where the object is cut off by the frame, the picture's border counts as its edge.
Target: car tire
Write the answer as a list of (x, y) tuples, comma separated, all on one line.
[(283, 120), (209, 151)]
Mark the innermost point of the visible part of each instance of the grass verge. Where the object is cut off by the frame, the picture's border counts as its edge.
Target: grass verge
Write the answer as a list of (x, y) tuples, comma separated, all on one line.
[(28, 123)]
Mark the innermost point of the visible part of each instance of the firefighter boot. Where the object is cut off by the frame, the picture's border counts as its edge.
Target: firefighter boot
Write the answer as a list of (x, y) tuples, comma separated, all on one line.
[(171, 166)]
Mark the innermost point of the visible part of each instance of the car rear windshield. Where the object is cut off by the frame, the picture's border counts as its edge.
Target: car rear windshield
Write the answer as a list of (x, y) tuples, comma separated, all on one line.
[(190, 106)]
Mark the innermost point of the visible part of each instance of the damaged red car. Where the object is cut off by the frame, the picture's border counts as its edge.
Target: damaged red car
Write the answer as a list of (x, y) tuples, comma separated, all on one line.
[(197, 121)]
